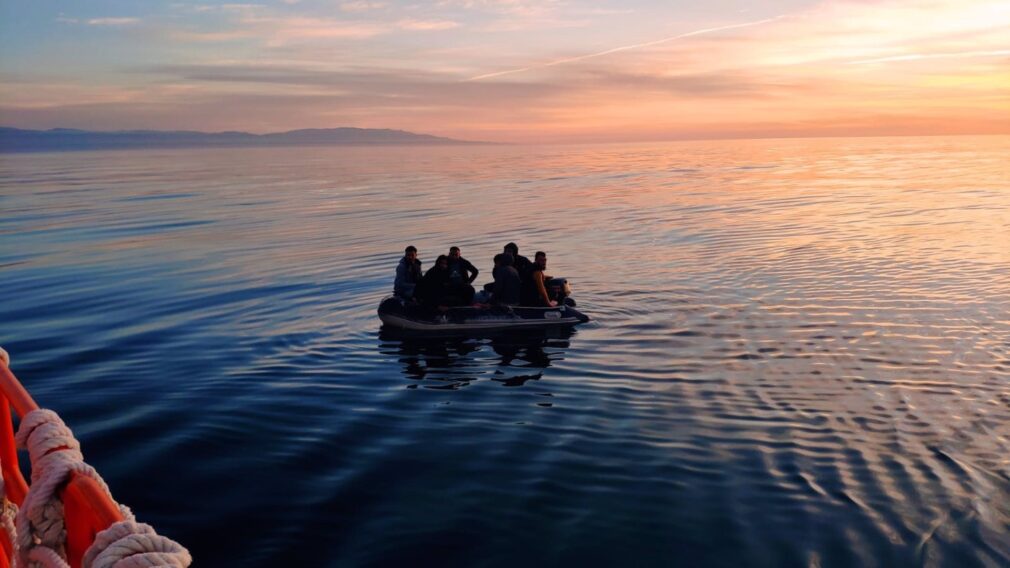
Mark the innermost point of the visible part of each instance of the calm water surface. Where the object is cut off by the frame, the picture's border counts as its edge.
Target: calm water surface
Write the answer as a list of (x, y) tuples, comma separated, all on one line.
[(800, 353)]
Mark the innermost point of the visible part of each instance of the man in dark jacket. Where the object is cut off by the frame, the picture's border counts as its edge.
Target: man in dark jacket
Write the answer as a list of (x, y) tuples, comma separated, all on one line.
[(433, 288), (507, 285), (460, 269), (461, 275), (522, 264), (408, 274)]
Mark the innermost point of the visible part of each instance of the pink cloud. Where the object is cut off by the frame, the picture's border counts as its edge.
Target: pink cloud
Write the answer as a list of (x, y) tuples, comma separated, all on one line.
[(427, 25), (361, 6)]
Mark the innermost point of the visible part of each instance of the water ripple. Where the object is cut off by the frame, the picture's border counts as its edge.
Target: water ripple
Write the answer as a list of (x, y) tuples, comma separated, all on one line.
[(799, 356)]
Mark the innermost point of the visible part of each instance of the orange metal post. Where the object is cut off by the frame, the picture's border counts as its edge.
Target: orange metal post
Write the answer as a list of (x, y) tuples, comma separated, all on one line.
[(19, 398), (14, 483), (87, 511), (15, 486)]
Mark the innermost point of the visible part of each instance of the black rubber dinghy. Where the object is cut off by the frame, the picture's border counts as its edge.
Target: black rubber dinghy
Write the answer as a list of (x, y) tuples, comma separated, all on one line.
[(396, 313)]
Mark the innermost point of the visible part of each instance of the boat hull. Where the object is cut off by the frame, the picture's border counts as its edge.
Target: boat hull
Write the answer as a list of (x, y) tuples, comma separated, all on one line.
[(395, 313)]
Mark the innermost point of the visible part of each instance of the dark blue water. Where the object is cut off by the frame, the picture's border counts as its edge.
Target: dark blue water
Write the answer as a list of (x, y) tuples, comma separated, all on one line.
[(800, 353)]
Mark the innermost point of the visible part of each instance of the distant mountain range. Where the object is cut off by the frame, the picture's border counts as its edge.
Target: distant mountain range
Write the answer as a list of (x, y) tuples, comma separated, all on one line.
[(66, 139)]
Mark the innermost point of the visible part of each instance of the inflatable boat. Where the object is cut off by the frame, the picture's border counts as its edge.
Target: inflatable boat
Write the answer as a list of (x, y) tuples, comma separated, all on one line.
[(397, 313)]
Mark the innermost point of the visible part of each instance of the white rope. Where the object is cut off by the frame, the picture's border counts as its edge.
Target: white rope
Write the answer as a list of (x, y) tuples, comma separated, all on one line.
[(129, 544), (41, 530), (7, 516), (5, 357), (45, 558), (40, 520)]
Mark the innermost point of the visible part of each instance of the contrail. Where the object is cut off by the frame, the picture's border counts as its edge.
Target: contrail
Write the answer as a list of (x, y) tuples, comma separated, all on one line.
[(623, 48)]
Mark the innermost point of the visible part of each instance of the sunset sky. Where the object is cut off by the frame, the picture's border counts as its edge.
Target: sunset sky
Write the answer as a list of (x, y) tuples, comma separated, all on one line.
[(511, 70)]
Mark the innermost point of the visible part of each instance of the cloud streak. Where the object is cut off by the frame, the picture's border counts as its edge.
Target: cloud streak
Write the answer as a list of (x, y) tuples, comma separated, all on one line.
[(624, 48), (113, 21), (920, 56)]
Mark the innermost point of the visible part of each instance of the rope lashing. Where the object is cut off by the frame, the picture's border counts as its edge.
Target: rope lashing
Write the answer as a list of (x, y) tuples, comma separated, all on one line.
[(5, 357), (129, 544), (8, 515), (43, 557), (41, 531), (40, 520)]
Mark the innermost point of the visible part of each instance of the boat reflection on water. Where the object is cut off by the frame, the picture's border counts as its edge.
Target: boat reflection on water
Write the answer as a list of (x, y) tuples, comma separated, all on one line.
[(453, 362)]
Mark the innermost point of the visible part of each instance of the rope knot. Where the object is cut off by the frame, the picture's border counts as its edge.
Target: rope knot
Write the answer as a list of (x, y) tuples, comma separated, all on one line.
[(129, 544), (49, 442)]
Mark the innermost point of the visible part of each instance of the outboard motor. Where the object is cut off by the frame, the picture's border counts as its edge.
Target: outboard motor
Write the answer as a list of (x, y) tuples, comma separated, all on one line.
[(559, 290)]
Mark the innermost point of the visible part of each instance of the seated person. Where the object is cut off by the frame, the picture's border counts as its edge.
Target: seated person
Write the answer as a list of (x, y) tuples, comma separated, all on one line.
[(408, 274), (535, 289), (461, 275), (521, 263), (460, 269), (489, 287), (433, 288), (436, 290), (507, 284)]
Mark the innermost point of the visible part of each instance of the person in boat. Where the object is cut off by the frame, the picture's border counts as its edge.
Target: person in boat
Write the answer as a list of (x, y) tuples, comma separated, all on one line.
[(535, 289), (507, 284), (522, 264), (408, 274), (460, 269), (489, 287), (461, 275), (499, 259), (433, 288)]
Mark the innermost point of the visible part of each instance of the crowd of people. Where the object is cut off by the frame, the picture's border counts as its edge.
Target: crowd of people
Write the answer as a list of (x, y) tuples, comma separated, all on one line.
[(449, 282)]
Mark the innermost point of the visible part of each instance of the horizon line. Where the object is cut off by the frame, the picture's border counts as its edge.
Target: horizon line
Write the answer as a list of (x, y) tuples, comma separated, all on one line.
[(697, 138)]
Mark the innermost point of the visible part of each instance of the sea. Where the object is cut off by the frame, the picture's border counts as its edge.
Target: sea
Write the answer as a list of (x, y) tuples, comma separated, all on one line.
[(799, 352)]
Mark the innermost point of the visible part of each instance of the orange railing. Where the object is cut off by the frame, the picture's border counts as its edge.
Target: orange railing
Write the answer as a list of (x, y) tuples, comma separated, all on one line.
[(87, 508)]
